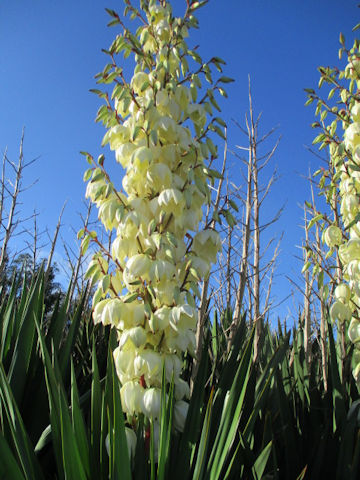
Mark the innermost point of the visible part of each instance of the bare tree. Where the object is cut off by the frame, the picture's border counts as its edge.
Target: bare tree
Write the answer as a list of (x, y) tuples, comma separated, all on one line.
[(253, 275), (10, 190)]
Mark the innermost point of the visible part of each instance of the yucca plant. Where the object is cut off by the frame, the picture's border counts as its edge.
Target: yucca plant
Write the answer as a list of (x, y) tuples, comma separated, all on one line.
[(271, 419), (315, 430), (69, 435)]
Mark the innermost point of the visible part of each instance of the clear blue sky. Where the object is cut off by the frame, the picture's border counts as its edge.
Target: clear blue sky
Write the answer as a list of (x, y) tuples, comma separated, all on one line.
[(50, 51)]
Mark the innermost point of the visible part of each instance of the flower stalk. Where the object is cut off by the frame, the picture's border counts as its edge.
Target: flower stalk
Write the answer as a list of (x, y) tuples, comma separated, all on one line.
[(161, 136), (341, 185)]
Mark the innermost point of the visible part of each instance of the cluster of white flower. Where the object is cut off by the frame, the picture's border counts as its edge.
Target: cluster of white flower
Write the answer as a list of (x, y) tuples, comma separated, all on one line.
[(159, 251), (347, 294)]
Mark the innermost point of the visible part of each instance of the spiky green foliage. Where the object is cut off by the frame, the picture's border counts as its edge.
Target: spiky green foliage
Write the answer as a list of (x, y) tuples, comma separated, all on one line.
[(272, 419)]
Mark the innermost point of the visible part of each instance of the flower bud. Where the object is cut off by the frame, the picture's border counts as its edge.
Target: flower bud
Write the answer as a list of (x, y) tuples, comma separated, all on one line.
[(159, 177), (148, 363), (130, 440), (207, 244), (342, 293), (352, 69), (355, 286), (124, 363), (137, 335), (112, 312), (182, 389), (350, 251), (356, 374), (142, 158), (138, 81), (118, 135), (352, 136), (136, 267), (333, 236), (344, 95), (131, 394), (352, 269), (98, 311), (180, 413), (354, 330), (162, 30), (161, 318), (355, 112), (172, 201), (152, 402), (339, 311)]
